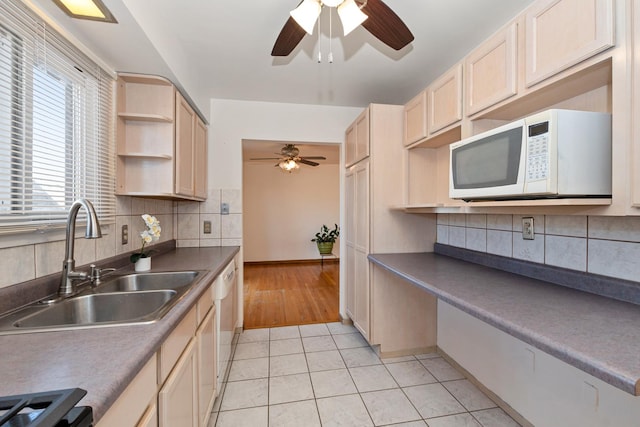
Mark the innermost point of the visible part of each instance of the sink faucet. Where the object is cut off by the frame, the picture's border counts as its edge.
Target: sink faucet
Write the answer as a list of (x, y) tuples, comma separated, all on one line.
[(69, 264)]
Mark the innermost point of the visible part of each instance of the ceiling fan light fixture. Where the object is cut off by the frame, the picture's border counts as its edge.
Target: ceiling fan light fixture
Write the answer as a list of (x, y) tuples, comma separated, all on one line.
[(306, 14), (350, 15), (288, 165), (331, 3)]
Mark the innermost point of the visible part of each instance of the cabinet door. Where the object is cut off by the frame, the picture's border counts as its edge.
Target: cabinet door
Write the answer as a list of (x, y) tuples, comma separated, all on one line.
[(445, 100), (562, 33), (361, 218), (177, 400), (350, 145), (207, 363), (415, 119), (362, 136), (349, 236), (150, 418), (200, 160), (185, 133), (491, 71), (362, 303)]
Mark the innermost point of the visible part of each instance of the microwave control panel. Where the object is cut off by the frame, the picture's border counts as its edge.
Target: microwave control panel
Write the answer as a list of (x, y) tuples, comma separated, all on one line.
[(538, 151)]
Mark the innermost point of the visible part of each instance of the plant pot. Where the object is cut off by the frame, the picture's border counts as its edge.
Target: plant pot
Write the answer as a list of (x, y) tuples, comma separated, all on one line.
[(325, 248), (143, 264)]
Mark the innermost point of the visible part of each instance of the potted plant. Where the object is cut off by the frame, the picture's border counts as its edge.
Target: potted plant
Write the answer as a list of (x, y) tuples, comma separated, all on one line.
[(142, 258), (325, 239)]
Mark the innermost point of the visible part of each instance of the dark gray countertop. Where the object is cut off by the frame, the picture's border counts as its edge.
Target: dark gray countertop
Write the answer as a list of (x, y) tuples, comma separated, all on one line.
[(598, 335), (102, 360)]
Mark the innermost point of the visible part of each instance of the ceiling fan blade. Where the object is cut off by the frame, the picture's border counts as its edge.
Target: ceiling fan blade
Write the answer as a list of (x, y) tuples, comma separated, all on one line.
[(314, 157), (265, 158), (308, 162), (385, 25), (289, 37)]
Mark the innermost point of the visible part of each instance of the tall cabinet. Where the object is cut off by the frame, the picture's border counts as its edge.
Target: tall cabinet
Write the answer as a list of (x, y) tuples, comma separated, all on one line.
[(161, 141), (373, 184)]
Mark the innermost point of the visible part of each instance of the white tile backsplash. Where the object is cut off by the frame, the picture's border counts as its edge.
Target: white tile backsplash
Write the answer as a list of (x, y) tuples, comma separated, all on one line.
[(29, 257), (17, 264), (608, 246), (566, 252)]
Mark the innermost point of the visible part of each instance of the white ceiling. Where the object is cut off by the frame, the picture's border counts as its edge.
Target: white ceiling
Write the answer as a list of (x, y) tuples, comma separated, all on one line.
[(221, 49)]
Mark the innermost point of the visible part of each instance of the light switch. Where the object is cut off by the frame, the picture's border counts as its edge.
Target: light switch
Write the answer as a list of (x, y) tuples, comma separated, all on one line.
[(224, 208)]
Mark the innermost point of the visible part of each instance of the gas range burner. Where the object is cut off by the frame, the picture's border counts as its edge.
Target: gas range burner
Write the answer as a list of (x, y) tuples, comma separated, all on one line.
[(46, 409)]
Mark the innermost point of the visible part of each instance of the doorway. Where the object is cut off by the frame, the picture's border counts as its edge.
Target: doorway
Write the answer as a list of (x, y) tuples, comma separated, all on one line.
[(285, 279)]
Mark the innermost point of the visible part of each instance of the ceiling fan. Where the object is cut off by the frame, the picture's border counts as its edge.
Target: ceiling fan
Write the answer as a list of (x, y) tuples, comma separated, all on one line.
[(289, 158), (375, 16)]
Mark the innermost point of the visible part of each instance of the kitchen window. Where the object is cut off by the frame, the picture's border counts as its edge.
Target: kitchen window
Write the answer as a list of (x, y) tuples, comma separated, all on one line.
[(56, 126)]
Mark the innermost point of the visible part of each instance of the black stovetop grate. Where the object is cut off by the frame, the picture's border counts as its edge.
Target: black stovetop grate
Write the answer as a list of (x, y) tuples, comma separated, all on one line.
[(48, 408)]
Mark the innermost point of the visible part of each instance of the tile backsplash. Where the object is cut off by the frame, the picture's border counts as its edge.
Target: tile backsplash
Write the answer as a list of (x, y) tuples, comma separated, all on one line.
[(23, 258), (608, 246)]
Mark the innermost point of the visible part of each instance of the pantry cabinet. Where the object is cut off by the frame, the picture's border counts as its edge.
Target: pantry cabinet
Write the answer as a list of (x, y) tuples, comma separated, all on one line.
[(561, 33), (371, 187), (357, 140), (161, 141)]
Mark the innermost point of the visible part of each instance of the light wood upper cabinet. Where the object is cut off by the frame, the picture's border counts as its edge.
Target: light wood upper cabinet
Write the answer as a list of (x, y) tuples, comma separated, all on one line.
[(161, 141), (415, 119), (491, 71), (357, 139), (445, 100), (561, 33), (200, 161), (185, 134)]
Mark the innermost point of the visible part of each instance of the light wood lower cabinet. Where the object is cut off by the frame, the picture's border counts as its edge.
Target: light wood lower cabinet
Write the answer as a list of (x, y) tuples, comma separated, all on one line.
[(177, 387), (207, 364), (177, 399)]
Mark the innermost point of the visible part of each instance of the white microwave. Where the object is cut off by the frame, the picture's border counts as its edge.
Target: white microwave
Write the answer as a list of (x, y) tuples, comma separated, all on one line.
[(553, 154)]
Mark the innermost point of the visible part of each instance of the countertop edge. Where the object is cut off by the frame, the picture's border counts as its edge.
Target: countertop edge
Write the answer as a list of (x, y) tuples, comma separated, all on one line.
[(566, 354)]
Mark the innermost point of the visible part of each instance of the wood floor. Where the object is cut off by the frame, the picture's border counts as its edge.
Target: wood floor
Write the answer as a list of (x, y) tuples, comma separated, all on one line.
[(290, 294)]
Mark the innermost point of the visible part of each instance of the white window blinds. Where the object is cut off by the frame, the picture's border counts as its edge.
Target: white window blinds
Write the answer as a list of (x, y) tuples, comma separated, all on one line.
[(56, 126)]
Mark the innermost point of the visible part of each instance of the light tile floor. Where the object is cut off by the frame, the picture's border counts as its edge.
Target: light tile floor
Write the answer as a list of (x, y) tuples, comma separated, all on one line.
[(327, 375)]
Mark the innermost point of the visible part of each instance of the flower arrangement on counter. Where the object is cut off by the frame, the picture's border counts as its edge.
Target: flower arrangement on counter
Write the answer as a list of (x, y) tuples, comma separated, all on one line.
[(151, 234)]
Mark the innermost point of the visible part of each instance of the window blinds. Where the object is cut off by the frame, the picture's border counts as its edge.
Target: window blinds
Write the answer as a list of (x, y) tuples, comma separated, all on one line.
[(56, 126)]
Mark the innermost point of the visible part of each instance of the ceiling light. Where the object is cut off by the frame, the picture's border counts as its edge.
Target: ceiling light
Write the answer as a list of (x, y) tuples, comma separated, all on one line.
[(288, 165), (93, 10), (306, 14), (350, 15), (331, 3)]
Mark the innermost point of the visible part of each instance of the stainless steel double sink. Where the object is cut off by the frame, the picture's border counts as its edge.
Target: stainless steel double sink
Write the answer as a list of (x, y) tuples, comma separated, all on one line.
[(124, 299)]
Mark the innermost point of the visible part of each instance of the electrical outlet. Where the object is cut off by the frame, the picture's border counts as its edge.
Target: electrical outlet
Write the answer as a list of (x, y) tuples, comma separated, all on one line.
[(527, 228), (207, 227), (125, 234), (224, 208)]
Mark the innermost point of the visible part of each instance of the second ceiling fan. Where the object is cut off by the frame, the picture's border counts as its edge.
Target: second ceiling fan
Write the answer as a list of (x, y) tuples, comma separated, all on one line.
[(290, 158), (375, 16)]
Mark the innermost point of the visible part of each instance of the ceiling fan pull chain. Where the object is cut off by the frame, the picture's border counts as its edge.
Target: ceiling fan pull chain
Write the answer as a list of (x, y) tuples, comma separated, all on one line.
[(319, 31), (330, 35)]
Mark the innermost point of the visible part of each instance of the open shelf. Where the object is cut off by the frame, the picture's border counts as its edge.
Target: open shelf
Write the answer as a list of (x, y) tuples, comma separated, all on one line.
[(141, 117)]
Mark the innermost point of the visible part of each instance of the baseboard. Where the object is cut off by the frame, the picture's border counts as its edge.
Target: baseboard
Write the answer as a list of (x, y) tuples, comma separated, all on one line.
[(294, 261)]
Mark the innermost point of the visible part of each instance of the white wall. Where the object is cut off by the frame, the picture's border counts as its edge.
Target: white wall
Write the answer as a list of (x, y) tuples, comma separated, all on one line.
[(283, 211), (232, 121)]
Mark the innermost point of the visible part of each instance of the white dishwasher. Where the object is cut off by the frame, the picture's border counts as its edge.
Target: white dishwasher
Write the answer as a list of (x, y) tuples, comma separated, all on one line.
[(225, 290)]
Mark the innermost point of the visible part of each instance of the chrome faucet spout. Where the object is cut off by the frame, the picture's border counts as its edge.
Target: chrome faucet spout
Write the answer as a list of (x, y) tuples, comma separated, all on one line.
[(92, 232)]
